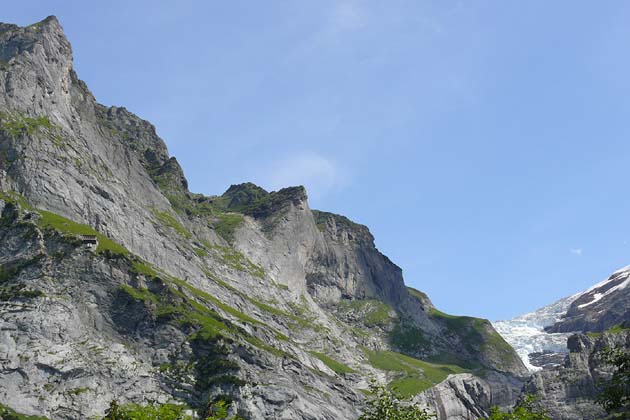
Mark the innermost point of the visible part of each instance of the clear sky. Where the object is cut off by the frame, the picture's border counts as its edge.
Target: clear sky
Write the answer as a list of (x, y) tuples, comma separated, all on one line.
[(485, 143)]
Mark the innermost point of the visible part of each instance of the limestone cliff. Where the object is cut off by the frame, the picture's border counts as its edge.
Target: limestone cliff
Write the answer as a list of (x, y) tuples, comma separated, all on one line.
[(249, 294), (568, 392)]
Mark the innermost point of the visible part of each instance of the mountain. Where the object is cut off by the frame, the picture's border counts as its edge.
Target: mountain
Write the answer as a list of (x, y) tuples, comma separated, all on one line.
[(560, 344), (538, 336), (599, 308), (568, 391), (118, 283), (526, 333)]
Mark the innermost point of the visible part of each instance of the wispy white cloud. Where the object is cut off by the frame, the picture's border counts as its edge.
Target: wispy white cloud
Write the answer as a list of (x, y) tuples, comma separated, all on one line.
[(576, 251), (348, 15), (319, 174)]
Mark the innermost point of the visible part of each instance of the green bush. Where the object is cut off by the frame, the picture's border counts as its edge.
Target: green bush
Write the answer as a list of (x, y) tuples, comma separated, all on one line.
[(219, 411), (385, 405), (15, 125), (8, 414), (334, 365), (614, 393), (526, 409), (146, 412)]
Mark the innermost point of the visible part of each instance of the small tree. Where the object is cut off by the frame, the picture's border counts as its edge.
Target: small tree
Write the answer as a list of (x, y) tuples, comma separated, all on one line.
[(218, 411), (145, 412), (526, 409), (614, 394), (385, 405)]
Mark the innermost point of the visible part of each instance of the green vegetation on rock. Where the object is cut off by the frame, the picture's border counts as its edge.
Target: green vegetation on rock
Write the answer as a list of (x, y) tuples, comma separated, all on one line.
[(334, 365), (146, 412), (237, 261), (526, 409), (226, 225), (478, 336), (371, 312), (383, 404), (614, 393), (8, 414), (416, 375), (616, 329), (421, 296), (408, 338), (68, 227), (169, 220), (15, 125)]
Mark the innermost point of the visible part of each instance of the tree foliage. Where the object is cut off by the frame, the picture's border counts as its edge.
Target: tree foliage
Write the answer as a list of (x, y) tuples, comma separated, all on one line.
[(526, 409), (614, 394), (218, 411), (386, 405)]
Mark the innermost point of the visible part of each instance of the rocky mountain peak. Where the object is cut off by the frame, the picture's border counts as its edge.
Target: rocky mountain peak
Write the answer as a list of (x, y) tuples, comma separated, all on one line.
[(298, 305), (244, 194), (45, 41), (36, 71)]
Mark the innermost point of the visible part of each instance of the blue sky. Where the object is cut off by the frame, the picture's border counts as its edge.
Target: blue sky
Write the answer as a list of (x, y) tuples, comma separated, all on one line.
[(485, 144)]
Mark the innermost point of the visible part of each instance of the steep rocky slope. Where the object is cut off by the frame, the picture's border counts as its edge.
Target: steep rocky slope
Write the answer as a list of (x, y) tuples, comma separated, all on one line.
[(526, 333), (541, 336), (567, 366), (568, 392), (249, 295), (599, 308)]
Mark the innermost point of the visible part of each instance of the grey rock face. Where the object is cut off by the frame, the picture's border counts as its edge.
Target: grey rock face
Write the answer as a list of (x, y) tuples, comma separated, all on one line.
[(251, 281), (467, 397), (568, 392), (601, 307)]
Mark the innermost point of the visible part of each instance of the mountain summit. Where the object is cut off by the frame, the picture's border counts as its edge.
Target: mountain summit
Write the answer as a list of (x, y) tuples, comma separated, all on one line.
[(118, 283)]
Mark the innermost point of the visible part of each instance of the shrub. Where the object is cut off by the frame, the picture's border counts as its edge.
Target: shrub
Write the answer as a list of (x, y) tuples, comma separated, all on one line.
[(385, 405), (526, 409), (614, 394)]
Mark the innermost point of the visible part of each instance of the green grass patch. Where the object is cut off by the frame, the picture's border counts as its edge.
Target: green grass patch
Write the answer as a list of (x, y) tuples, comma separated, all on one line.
[(226, 225), (144, 268), (372, 312), (416, 375), (201, 252), (169, 220), (237, 261), (16, 125), (335, 366), (477, 335), (7, 413), (616, 329), (208, 297), (68, 227), (421, 296), (140, 294), (409, 386), (408, 338)]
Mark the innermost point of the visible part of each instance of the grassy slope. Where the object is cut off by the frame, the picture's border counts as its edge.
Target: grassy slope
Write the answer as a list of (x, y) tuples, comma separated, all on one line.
[(414, 375)]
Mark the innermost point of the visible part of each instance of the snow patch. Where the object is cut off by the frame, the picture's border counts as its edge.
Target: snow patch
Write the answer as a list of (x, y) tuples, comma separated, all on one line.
[(599, 296), (526, 333)]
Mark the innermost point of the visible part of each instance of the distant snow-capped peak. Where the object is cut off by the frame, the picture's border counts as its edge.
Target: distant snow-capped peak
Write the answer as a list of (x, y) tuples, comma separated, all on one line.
[(526, 333)]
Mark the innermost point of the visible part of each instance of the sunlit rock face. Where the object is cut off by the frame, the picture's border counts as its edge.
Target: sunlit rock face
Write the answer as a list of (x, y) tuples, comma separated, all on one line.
[(526, 333), (250, 295), (545, 331)]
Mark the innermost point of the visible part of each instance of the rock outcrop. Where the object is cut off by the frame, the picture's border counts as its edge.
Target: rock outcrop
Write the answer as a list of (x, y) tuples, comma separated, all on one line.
[(599, 308), (568, 392)]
